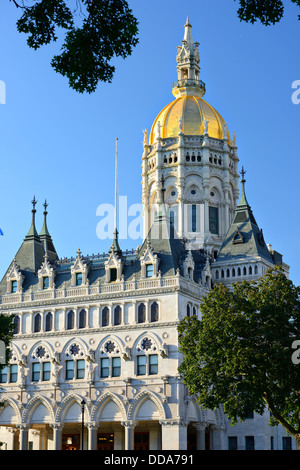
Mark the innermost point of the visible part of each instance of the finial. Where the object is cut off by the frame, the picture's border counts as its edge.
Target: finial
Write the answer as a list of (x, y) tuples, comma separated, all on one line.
[(45, 206), (243, 172), (34, 203), (78, 252)]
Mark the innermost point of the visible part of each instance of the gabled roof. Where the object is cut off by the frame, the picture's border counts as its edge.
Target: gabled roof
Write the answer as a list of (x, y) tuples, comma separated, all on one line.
[(244, 239), (165, 243), (30, 255)]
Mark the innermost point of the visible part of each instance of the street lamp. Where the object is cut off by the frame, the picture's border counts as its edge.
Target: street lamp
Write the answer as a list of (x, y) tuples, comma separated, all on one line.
[(82, 422)]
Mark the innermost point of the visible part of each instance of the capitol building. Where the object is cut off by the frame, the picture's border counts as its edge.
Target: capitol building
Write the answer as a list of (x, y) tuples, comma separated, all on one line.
[(94, 358)]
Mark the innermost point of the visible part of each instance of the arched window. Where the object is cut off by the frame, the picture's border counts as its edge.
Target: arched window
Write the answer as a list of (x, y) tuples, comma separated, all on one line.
[(105, 316), (117, 315), (49, 321), (194, 311), (70, 320), (255, 269), (250, 270), (154, 312), (37, 323), (239, 271), (82, 318), (141, 313), (188, 310), (244, 271), (16, 325)]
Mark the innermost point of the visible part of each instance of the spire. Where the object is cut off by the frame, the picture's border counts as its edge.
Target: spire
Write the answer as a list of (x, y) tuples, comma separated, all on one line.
[(188, 68), (188, 37), (243, 200), (46, 239), (32, 231), (44, 230)]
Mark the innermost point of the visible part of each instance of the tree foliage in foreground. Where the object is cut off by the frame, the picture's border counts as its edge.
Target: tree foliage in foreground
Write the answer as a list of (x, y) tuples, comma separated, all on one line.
[(96, 31), (266, 11), (240, 353), (6, 334)]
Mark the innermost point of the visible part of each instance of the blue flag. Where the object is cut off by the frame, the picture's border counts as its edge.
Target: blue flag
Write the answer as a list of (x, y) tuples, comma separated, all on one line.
[(1, 233)]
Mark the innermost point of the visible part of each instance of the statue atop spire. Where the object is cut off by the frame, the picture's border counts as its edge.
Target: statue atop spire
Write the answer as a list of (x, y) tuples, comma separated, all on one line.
[(188, 68)]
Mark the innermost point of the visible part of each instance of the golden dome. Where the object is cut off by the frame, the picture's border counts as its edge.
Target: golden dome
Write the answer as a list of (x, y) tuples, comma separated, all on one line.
[(192, 110)]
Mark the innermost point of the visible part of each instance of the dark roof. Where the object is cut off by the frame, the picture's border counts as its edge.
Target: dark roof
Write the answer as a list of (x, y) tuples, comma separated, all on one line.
[(244, 238)]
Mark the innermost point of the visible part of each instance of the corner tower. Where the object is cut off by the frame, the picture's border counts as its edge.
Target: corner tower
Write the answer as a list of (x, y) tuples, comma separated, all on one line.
[(190, 147)]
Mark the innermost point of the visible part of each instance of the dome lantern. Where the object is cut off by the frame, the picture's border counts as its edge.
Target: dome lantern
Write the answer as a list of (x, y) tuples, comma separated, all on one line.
[(188, 68)]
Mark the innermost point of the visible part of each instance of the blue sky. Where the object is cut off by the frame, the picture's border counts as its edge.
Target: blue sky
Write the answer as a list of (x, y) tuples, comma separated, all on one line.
[(60, 145)]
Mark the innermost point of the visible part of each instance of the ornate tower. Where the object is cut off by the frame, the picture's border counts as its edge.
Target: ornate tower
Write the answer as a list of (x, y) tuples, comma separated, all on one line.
[(190, 147)]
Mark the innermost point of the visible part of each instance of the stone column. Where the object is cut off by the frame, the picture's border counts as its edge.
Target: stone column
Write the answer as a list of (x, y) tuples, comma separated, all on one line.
[(129, 434), (57, 435), (24, 429), (218, 438), (11, 441), (200, 435), (174, 434), (92, 436)]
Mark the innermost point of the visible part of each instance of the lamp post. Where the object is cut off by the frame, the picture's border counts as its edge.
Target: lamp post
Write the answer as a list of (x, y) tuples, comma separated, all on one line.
[(82, 422)]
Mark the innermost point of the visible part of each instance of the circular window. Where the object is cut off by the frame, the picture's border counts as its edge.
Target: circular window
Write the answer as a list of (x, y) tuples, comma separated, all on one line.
[(212, 194), (173, 193), (193, 192)]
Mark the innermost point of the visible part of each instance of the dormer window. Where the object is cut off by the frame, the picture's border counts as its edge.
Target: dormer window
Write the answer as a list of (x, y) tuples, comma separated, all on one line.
[(46, 282), (149, 270), (113, 274), (78, 279), (14, 287)]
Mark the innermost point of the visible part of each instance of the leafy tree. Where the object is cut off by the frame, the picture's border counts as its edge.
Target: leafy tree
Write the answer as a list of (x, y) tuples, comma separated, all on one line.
[(266, 11), (239, 353), (6, 334), (96, 31)]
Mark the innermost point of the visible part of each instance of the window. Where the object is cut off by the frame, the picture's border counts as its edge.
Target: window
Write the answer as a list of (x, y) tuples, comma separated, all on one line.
[(286, 443), (214, 220), (149, 270), (104, 367), (147, 364), (153, 364), (141, 365), (194, 218), (105, 316), (45, 282), (14, 286), (154, 312), (69, 370), (3, 375), (80, 369), (37, 323), (46, 371), (249, 443), (36, 371), (188, 310), (16, 325), (78, 279), (82, 318), (70, 320), (13, 377), (116, 367), (117, 315), (141, 313), (232, 443), (113, 274), (49, 321)]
